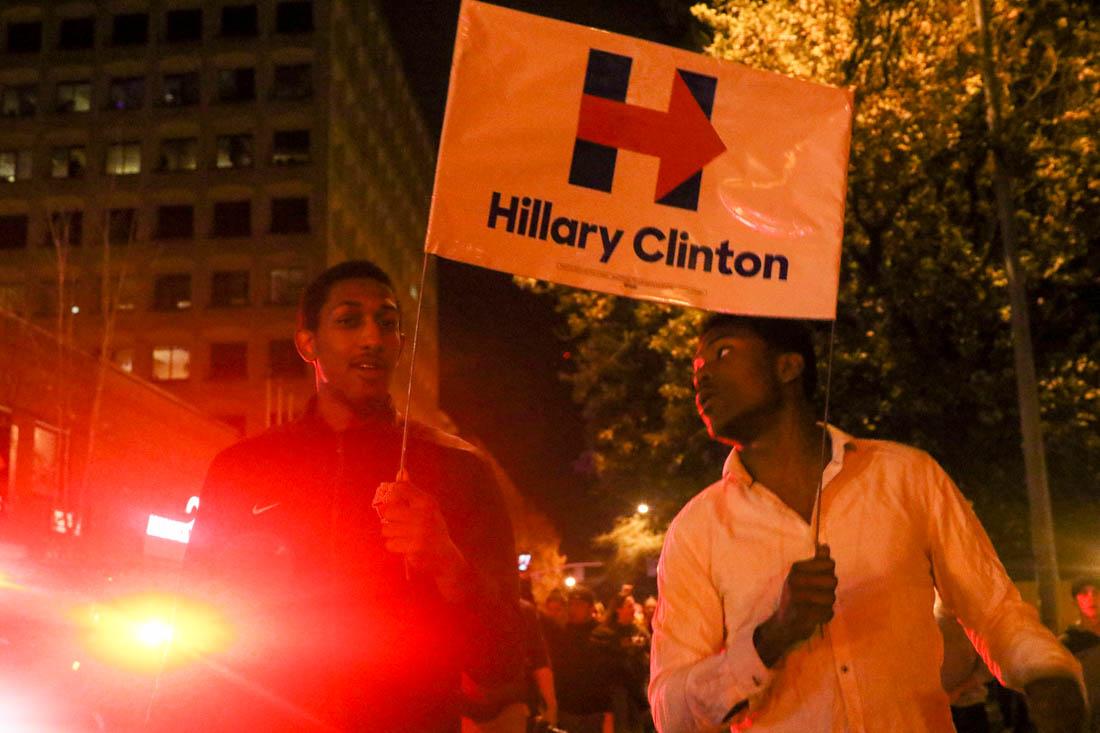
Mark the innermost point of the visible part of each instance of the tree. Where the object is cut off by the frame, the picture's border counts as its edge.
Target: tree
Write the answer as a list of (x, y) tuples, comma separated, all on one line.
[(923, 350)]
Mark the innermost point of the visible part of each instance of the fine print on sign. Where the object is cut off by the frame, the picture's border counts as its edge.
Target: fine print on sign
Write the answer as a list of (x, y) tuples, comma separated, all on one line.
[(614, 164)]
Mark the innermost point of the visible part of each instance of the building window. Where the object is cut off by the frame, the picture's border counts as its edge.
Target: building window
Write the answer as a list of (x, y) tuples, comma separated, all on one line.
[(236, 85), (180, 90), (121, 226), (127, 93), (229, 289), (181, 26), (13, 231), (234, 151), (65, 228), (68, 162), (240, 21), (46, 467), (175, 221), (15, 165), (20, 100), (172, 292), (123, 159), (124, 359), (130, 29), (122, 295), (286, 285), (283, 359), (229, 360), (290, 215), (76, 33), (179, 154), (294, 17), (25, 37), (171, 363), (290, 147), (294, 81), (232, 219), (74, 96)]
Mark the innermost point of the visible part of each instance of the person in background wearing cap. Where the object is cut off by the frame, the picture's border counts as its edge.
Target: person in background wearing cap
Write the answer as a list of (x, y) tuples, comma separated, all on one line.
[(582, 668), (757, 626), (1083, 639), (364, 608)]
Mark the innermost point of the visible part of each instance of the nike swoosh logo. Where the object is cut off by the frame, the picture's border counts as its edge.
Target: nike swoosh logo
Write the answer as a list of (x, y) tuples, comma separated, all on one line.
[(258, 510)]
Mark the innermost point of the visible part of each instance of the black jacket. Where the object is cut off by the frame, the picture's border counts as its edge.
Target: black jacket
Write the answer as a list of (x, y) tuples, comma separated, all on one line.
[(332, 632)]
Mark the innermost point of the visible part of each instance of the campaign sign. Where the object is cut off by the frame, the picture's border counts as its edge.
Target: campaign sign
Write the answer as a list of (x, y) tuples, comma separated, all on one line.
[(614, 164)]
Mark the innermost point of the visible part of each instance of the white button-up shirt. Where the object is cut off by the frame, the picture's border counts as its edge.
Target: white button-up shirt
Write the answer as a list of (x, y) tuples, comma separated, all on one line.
[(898, 529)]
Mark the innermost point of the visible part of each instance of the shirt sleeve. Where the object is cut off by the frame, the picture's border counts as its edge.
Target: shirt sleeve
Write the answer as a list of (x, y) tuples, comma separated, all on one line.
[(1004, 629), (699, 674)]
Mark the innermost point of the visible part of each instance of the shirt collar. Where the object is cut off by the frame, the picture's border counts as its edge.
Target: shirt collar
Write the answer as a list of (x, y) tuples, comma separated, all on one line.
[(734, 470)]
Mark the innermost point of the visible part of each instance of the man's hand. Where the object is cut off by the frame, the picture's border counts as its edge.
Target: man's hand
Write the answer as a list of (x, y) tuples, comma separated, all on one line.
[(1055, 705), (413, 526), (806, 603)]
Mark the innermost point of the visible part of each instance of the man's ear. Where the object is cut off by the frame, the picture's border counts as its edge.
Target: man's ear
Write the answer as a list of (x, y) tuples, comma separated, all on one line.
[(790, 367), (303, 341)]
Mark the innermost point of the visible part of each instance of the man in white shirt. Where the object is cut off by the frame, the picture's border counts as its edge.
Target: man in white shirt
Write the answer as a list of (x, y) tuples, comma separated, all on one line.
[(758, 627)]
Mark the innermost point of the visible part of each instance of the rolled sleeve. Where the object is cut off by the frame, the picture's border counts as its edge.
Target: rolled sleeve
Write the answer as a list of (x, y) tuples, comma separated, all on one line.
[(698, 675)]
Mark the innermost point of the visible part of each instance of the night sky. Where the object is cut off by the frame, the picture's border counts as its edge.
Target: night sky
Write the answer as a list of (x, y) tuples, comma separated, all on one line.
[(500, 355)]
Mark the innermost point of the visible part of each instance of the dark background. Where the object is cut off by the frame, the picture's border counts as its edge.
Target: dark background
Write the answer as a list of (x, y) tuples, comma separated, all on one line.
[(500, 354)]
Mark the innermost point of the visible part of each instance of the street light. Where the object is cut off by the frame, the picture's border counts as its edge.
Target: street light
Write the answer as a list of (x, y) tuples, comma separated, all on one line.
[(570, 581), (643, 508)]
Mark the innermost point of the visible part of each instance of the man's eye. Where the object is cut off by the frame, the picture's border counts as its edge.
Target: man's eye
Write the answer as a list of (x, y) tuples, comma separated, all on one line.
[(347, 320), (389, 325)]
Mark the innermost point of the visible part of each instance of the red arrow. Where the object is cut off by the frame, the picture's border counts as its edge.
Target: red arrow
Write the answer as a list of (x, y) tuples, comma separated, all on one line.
[(682, 138)]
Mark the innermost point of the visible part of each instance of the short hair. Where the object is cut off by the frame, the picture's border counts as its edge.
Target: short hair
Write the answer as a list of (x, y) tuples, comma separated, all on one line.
[(785, 335), (1079, 584), (316, 293)]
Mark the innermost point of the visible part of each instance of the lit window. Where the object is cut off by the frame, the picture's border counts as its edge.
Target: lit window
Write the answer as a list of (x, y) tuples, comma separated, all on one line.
[(68, 162), (179, 154), (287, 285), (74, 96), (123, 159), (19, 100), (234, 151), (127, 93), (15, 165), (172, 292), (171, 363)]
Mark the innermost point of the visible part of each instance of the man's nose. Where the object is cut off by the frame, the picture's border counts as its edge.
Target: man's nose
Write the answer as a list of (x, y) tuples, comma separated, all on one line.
[(370, 334)]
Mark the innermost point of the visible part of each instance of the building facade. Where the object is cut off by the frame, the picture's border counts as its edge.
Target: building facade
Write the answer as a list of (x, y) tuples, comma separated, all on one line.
[(173, 171)]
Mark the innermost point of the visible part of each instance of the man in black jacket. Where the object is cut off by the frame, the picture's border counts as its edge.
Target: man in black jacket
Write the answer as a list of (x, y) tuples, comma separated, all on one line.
[(351, 616)]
